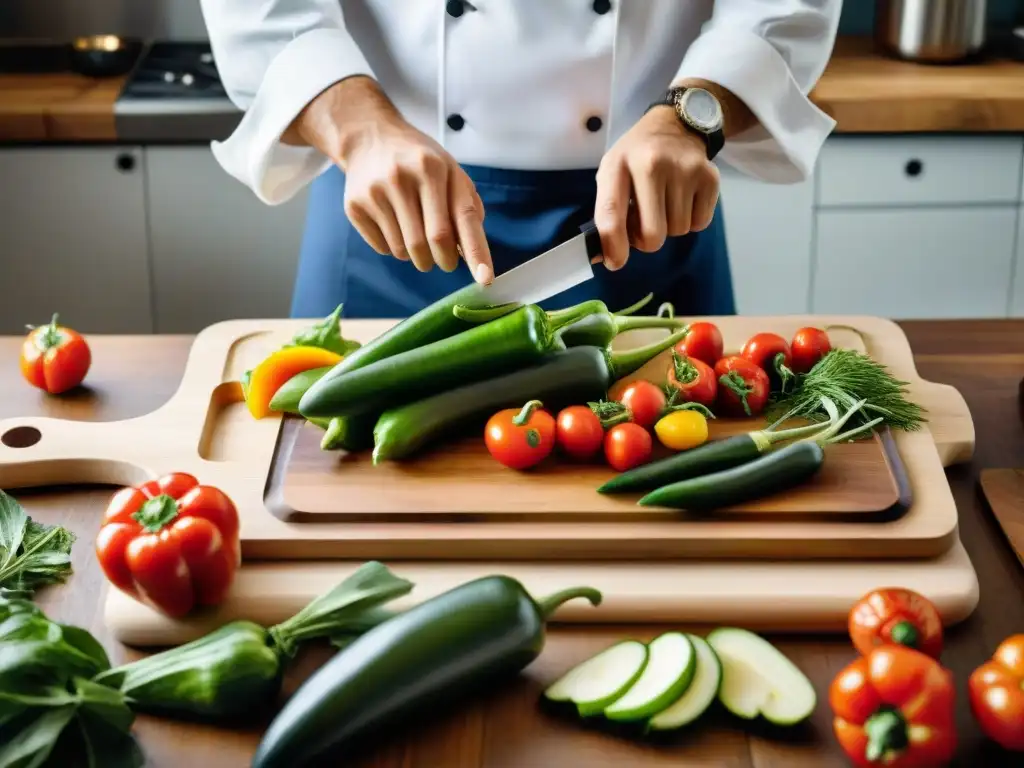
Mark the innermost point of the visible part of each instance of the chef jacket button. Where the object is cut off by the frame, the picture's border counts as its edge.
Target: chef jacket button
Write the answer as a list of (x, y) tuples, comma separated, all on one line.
[(594, 124), (602, 6), (455, 8), (456, 122)]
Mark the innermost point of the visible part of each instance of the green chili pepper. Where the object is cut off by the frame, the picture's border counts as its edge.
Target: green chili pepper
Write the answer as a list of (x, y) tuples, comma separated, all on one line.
[(598, 329), (286, 399), (511, 342)]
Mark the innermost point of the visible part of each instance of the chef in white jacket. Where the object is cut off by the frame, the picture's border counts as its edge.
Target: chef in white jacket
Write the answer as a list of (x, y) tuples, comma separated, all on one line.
[(450, 141)]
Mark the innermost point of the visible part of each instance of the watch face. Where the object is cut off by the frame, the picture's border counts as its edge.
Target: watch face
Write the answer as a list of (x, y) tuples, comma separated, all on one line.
[(701, 110)]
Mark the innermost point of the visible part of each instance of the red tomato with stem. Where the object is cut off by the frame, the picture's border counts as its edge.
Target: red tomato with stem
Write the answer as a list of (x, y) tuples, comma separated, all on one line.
[(996, 690), (521, 437), (703, 342), (743, 387), (808, 347), (645, 401), (772, 354), (895, 616), (693, 379), (578, 432), (54, 358), (627, 445)]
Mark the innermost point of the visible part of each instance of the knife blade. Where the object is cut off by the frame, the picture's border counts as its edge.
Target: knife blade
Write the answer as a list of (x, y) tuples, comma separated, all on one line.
[(549, 274)]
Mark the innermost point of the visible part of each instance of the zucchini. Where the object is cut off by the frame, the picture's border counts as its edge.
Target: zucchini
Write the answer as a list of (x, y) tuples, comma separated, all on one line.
[(669, 671), (286, 399), (703, 690), (353, 433), (602, 679)]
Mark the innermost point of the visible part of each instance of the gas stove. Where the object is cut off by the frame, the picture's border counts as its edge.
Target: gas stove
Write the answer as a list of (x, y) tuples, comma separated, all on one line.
[(175, 94)]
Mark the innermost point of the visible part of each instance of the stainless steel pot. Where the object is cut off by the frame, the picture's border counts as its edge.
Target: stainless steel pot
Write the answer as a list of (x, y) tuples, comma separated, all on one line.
[(933, 31)]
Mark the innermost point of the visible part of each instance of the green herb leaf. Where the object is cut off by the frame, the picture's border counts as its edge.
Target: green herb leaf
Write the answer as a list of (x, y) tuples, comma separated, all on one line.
[(327, 335), (32, 555), (104, 746), (30, 746)]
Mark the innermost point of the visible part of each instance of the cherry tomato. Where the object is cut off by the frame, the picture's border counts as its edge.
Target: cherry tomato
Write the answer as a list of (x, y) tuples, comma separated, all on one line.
[(703, 342), (579, 432), (808, 347), (694, 379), (895, 616), (772, 354), (520, 437), (743, 387), (627, 445), (54, 358), (645, 401), (996, 691), (682, 430)]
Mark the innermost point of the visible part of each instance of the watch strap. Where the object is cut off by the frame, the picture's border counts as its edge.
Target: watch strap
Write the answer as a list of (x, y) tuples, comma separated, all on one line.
[(714, 141)]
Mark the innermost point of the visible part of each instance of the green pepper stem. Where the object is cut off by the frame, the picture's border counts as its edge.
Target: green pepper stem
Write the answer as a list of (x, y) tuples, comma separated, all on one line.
[(634, 308), (550, 604), (523, 417), (483, 314), (157, 513), (904, 633), (580, 311), (623, 324), (666, 310), (887, 734), (626, 362), (584, 308)]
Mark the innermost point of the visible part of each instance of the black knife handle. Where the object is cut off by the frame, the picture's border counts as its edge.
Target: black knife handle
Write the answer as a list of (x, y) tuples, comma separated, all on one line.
[(592, 240)]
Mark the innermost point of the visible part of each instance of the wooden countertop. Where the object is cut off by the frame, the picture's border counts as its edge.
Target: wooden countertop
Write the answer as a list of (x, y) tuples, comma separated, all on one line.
[(984, 359), (863, 91)]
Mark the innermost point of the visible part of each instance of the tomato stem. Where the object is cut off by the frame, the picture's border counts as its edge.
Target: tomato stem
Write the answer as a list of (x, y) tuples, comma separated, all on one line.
[(51, 335), (904, 633), (610, 413), (736, 384), (685, 371), (701, 409), (521, 418), (157, 513), (784, 372), (887, 733)]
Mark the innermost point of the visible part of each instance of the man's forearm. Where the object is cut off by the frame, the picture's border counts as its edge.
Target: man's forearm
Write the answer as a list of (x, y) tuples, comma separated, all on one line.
[(736, 115), (340, 115)]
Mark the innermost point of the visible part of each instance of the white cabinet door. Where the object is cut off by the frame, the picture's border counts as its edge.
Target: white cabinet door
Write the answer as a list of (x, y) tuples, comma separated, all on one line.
[(218, 252), (768, 228), (914, 263), (73, 239), (1017, 302)]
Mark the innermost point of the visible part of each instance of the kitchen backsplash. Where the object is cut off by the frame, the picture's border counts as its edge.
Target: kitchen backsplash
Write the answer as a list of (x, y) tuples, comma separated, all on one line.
[(182, 19)]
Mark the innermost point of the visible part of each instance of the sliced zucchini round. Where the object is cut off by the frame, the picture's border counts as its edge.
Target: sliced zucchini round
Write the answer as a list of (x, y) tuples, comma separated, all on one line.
[(601, 680), (669, 671), (707, 678)]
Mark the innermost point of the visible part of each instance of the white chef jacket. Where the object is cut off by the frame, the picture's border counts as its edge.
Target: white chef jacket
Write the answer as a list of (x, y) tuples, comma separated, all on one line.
[(521, 84)]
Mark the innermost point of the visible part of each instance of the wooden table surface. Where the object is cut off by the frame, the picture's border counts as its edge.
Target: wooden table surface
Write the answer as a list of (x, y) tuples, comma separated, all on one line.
[(984, 359)]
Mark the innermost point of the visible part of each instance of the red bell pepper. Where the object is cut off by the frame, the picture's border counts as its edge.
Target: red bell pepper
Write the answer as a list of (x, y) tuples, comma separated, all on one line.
[(171, 543), (996, 691), (894, 708)]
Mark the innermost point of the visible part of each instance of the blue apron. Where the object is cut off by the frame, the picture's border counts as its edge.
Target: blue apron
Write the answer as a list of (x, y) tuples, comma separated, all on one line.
[(526, 213)]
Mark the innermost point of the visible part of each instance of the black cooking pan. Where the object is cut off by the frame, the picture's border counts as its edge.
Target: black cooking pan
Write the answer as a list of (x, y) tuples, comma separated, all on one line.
[(104, 55)]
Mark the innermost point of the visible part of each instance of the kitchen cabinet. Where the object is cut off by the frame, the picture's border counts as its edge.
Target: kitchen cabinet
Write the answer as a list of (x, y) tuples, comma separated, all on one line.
[(937, 262), (218, 253), (768, 228), (73, 239)]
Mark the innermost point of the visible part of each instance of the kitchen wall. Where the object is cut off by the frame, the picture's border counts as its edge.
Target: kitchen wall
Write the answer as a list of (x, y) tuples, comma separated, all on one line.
[(182, 19)]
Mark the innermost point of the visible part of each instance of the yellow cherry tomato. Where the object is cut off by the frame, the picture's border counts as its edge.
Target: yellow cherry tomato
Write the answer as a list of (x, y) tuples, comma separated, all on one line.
[(682, 430)]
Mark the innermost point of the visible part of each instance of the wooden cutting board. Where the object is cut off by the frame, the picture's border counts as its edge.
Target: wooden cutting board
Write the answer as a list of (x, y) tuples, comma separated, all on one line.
[(1004, 492), (206, 430)]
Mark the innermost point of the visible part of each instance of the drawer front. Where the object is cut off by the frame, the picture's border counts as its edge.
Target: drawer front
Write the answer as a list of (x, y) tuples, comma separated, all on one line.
[(920, 170), (929, 263)]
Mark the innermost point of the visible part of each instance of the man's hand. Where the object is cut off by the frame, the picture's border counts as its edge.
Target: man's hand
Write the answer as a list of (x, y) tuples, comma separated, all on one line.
[(674, 187), (403, 193)]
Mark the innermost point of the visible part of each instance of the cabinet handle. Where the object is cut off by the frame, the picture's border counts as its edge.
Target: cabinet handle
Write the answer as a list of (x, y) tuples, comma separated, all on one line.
[(125, 163), (913, 168)]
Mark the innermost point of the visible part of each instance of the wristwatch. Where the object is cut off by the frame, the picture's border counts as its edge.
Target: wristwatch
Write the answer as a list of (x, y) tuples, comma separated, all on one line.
[(700, 112)]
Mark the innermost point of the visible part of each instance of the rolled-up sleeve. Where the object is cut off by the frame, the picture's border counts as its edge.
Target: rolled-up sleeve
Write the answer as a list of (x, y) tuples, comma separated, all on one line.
[(770, 54), (274, 57)]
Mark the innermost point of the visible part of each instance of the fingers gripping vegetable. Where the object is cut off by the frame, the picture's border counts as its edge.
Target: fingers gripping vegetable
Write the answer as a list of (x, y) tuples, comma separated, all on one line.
[(743, 387), (520, 438), (691, 380), (433, 654), (566, 377), (996, 691), (645, 401), (682, 430), (54, 358), (703, 342), (501, 346), (896, 616), (894, 707), (171, 543), (579, 432), (808, 347), (626, 446), (772, 354), (277, 369), (236, 670)]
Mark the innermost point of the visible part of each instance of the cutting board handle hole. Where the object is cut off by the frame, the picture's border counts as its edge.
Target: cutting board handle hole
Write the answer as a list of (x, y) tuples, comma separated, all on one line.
[(21, 437)]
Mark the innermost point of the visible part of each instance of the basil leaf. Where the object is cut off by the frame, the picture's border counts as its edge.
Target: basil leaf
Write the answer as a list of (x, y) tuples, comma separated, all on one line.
[(32, 555), (14, 703), (83, 642), (105, 703), (104, 746), (13, 522), (326, 335), (42, 659), (30, 746)]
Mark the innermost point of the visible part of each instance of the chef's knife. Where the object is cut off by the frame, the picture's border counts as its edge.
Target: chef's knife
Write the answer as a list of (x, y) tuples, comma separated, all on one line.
[(544, 276)]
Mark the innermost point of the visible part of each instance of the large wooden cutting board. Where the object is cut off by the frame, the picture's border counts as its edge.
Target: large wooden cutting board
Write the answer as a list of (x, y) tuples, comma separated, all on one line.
[(205, 429)]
